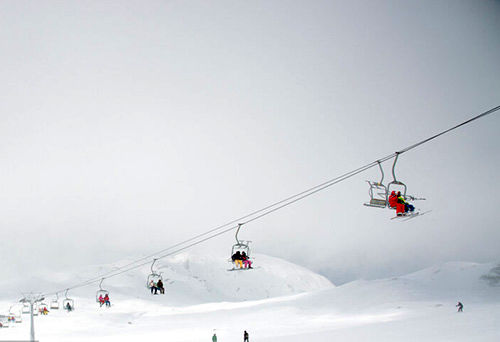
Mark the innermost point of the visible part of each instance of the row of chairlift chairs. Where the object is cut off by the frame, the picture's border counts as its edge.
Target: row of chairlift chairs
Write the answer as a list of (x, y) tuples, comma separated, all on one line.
[(69, 304), (153, 278), (379, 193), (379, 198)]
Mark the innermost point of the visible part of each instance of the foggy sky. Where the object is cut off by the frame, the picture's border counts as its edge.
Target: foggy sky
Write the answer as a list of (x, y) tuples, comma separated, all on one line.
[(128, 126)]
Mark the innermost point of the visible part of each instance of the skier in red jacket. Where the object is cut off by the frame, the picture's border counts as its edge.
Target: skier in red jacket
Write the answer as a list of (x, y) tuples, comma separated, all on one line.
[(393, 200)]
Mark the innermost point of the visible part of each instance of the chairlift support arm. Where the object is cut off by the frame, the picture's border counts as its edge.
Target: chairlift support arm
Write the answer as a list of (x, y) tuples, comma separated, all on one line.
[(394, 167), (152, 271), (237, 231), (382, 171)]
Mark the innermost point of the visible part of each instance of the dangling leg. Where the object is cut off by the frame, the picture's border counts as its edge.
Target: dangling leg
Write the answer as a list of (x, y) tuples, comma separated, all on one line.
[(400, 209)]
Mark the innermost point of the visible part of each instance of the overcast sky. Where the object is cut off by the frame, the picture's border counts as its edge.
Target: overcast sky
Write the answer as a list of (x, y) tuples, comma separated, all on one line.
[(127, 126)]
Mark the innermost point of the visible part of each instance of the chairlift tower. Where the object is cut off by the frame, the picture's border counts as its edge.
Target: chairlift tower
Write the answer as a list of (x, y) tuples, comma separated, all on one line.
[(31, 299)]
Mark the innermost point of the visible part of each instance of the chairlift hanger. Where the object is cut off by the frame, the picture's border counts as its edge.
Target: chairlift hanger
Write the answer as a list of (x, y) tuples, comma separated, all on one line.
[(241, 245), (153, 276), (395, 182), (101, 292)]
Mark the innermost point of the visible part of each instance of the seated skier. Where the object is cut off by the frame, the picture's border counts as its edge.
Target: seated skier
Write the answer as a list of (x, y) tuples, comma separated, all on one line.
[(246, 260), (236, 257), (68, 307), (106, 300), (393, 200), (406, 207), (160, 287), (153, 287), (101, 301)]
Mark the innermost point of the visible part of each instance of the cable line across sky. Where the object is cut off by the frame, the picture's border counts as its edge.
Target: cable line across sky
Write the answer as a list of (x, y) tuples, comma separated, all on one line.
[(257, 214)]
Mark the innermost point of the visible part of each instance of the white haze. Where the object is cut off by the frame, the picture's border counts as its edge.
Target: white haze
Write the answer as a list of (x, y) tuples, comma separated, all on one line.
[(128, 126)]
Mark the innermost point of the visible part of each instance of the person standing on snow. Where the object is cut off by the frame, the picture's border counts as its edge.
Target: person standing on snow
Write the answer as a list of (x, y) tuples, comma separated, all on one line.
[(245, 336), (460, 307), (214, 338)]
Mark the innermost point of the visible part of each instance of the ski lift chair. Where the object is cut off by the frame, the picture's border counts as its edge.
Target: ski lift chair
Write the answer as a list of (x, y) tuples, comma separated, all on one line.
[(43, 306), (17, 314), (70, 302), (101, 292), (54, 303), (67, 301), (378, 195), (240, 245), (26, 308), (4, 321), (396, 185), (154, 276), (377, 192)]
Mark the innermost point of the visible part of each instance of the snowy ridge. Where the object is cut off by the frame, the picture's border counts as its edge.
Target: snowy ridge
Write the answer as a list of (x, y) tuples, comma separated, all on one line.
[(271, 277), (201, 298), (189, 279)]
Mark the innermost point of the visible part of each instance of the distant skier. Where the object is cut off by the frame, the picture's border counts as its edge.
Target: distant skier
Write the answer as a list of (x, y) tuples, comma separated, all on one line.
[(460, 307), (236, 257), (69, 307), (214, 338), (246, 260), (159, 285), (245, 336)]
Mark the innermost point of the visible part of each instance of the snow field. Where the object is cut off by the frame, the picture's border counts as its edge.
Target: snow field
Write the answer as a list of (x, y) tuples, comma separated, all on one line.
[(279, 302)]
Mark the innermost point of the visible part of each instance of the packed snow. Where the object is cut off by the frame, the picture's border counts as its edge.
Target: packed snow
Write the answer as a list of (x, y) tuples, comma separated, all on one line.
[(275, 301)]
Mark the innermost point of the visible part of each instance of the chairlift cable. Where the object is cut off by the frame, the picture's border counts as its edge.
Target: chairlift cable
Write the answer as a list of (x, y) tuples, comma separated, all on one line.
[(270, 208)]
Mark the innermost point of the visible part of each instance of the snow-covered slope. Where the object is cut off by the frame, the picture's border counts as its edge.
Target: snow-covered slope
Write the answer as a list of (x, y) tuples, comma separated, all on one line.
[(207, 277), (416, 307), (189, 279)]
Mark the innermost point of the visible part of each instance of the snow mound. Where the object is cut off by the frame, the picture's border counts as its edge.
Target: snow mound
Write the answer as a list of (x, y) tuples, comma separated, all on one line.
[(203, 297), (189, 279), (209, 275)]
